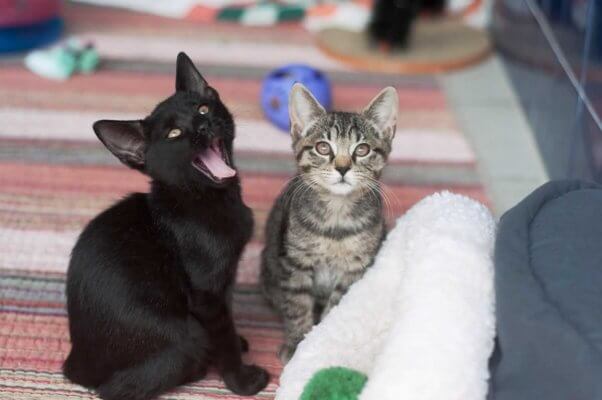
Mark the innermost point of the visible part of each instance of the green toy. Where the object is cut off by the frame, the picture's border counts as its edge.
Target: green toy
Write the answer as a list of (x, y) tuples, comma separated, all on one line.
[(88, 60), (62, 61), (264, 13), (336, 383)]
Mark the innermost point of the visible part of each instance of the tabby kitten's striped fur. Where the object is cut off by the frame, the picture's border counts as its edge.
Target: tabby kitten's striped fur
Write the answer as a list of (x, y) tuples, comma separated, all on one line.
[(327, 225)]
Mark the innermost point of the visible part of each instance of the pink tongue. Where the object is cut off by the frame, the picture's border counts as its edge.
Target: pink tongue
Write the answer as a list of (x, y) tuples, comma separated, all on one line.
[(214, 163)]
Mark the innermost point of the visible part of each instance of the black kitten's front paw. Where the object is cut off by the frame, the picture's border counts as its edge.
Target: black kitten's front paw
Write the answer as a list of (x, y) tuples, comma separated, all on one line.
[(244, 344), (247, 381)]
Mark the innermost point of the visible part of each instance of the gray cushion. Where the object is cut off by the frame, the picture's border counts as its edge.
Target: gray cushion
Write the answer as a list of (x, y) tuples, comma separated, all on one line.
[(548, 261)]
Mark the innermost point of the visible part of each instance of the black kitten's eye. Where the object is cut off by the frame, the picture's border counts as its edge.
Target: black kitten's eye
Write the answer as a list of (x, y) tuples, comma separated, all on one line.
[(323, 148), (174, 133), (203, 109), (362, 150)]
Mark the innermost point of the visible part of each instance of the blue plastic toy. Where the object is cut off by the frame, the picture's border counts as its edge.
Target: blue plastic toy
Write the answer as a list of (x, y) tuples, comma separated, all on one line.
[(22, 38), (277, 86)]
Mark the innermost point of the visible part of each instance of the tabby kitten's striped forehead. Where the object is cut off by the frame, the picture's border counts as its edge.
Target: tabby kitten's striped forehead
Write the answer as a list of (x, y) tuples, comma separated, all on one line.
[(342, 151)]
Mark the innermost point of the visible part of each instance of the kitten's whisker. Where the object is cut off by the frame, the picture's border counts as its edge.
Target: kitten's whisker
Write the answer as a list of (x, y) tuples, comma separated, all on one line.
[(377, 189), (298, 185), (374, 195), (378, 186), (302, 185), (296, 181), (392, 194), (386, 190)]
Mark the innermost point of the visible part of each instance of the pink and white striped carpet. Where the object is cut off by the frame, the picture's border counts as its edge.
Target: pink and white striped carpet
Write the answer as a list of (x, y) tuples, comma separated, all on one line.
[(55, 175)]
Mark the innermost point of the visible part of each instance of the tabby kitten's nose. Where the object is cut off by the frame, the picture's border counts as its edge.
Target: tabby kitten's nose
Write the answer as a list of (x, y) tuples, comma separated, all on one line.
[(343, 169)]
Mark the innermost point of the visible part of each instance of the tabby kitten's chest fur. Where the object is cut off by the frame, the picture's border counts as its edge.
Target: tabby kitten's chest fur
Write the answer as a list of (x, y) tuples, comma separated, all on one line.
[(327, 225), (334, 238)]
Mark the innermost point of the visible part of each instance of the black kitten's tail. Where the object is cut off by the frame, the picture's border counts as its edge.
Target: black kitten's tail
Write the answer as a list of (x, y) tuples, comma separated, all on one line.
[(166, 370), (82, 372)]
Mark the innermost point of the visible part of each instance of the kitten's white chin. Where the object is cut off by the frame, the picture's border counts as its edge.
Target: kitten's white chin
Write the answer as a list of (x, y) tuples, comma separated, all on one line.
[(341, 188)]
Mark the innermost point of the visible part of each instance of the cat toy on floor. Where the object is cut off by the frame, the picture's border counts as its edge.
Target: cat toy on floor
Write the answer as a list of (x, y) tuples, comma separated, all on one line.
[(62, 61), (392, 20), (277, 86)]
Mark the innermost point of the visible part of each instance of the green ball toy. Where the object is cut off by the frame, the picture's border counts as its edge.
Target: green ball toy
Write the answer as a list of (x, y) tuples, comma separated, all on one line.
[(335, 383)]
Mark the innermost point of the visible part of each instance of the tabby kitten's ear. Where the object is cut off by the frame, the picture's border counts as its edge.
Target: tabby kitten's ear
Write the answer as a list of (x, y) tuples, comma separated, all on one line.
[(382, 111), (303, 108), (125, 139), (188, 78)]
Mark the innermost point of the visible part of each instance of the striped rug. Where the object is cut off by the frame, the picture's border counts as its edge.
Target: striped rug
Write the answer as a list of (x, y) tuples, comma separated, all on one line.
[(55, 175)]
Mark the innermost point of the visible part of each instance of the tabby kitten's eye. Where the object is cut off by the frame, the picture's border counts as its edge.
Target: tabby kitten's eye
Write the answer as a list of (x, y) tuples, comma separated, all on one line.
[(362, 150), (323, 148), (174, 133), (203, 109)]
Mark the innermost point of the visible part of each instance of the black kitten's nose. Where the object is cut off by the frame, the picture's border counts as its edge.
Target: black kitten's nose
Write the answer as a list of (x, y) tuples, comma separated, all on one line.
[(202, 126), (343, 169)]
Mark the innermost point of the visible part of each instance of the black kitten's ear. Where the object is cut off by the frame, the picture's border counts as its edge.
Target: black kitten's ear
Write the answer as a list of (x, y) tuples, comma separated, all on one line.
[(125, 139), (188, 78)]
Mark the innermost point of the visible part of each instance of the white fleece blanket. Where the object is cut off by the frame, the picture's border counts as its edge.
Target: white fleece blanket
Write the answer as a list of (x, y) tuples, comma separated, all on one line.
[(420, 323)]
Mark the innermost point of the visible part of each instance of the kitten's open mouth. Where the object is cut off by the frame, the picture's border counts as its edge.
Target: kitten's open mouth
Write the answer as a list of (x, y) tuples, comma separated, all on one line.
[(214, 162)]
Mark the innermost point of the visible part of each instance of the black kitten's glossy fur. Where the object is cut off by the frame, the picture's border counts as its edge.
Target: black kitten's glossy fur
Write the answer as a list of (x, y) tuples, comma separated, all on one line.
[(148, 286), (392, 20)]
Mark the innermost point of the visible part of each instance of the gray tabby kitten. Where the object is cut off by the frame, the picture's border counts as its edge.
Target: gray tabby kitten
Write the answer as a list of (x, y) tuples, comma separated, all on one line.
[(327, 225)]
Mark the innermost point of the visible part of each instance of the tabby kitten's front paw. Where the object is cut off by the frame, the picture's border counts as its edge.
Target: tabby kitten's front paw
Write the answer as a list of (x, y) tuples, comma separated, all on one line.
[(286, 352), (247, 381)]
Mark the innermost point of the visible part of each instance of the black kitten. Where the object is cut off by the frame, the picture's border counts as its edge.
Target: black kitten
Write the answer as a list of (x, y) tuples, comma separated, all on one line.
[(149, 283), (392, 20)]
